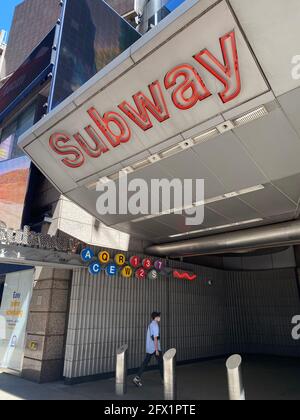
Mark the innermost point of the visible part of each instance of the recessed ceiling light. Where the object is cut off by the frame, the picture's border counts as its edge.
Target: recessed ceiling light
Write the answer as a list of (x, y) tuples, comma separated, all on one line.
[(250, 189), (170, 152), (215, 228), (201, 138), (231, 195), (212, 200), (140, 165), (206, 135), (251, 116)]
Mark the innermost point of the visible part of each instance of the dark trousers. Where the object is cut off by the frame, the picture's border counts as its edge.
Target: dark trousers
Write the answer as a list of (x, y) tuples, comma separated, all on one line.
[(147, 361)]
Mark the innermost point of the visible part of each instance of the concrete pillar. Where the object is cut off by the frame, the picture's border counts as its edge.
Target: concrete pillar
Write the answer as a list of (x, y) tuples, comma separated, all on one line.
[(47, 326)]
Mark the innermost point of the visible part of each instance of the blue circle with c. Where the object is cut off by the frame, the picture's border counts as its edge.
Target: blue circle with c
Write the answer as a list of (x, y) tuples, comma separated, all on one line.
[(94, 268)]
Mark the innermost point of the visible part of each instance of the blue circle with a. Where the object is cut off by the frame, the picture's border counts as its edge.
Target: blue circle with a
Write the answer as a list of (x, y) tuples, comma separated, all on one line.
[(111, 269), (94, 268), (87, 254)]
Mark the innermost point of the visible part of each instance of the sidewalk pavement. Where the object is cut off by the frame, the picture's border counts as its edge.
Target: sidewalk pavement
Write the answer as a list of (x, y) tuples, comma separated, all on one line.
[(265, 378)]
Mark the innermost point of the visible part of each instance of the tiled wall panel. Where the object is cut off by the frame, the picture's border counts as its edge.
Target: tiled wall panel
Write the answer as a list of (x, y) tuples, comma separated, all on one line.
[(220, 313)]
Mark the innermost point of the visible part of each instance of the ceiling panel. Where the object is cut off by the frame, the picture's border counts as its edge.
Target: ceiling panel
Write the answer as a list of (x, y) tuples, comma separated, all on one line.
[(284, 217), (132, 229), (212, 219), (230, 161), (177, 222), (273, 30), (187, 165), (290, 103), (290, 186), (235, 210), (152, 228), (269, 201), (273, 144)]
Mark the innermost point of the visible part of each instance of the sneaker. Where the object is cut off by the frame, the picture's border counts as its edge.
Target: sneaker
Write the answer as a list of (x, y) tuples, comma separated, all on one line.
[(137, 382)]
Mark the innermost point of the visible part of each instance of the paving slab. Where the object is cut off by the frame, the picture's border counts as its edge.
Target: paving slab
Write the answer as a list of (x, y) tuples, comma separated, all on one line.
[(265, 378)]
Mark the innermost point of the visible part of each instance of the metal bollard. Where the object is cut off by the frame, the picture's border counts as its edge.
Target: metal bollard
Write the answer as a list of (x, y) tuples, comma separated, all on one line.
[(121, 370), (235, 380), (170, 383)]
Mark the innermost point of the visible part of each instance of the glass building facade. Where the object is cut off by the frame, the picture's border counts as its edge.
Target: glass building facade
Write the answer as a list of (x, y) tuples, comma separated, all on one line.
[(155, 11), (92, 35)]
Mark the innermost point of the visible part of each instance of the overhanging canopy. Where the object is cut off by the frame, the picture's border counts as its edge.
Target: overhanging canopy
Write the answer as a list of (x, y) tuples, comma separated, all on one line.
[(238, 50)]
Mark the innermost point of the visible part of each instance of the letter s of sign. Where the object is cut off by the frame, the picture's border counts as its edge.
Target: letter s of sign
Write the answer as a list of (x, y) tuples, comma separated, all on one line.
[(58, 143), (296, 329), (229, 72)]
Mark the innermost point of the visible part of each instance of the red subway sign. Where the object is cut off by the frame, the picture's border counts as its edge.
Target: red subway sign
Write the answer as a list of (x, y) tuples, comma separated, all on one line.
[(184, 83)]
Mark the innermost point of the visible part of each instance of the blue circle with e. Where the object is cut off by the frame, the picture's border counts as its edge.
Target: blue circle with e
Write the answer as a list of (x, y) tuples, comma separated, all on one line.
[(87, 254), (111, 269), (94, 268)]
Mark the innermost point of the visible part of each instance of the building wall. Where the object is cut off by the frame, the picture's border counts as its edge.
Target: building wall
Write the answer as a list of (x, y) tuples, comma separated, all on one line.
[(221, 313), (121, 6), (261, 306), (2, 55), (154, 11), (47, 325), (261, 260), (33, 20)]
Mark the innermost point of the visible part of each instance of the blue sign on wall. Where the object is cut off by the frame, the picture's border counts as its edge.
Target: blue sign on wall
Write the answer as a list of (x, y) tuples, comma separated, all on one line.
[(94, 268), (111, 270), (87, 254)]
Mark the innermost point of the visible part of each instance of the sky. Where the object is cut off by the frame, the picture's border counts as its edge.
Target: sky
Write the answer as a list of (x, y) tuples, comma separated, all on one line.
[(6, 12)]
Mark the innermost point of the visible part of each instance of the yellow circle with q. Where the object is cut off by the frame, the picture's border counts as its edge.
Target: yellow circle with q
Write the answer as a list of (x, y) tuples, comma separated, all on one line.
[(127, 272), (104, 257), (120, 259)]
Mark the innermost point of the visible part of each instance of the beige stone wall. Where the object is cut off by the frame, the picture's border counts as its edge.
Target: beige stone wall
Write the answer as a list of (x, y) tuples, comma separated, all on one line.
[(47, 324), (71, 219)]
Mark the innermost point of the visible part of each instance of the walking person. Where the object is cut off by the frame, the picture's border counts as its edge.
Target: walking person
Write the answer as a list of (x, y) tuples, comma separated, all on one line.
[(153, 348)]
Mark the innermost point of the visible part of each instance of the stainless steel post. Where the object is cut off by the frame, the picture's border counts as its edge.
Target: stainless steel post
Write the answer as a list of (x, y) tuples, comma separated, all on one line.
[(121, 370), (170, 383), (235, 380)]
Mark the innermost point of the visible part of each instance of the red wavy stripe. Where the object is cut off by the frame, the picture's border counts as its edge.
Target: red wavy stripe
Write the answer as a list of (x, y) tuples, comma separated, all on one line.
[(185, 276)]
